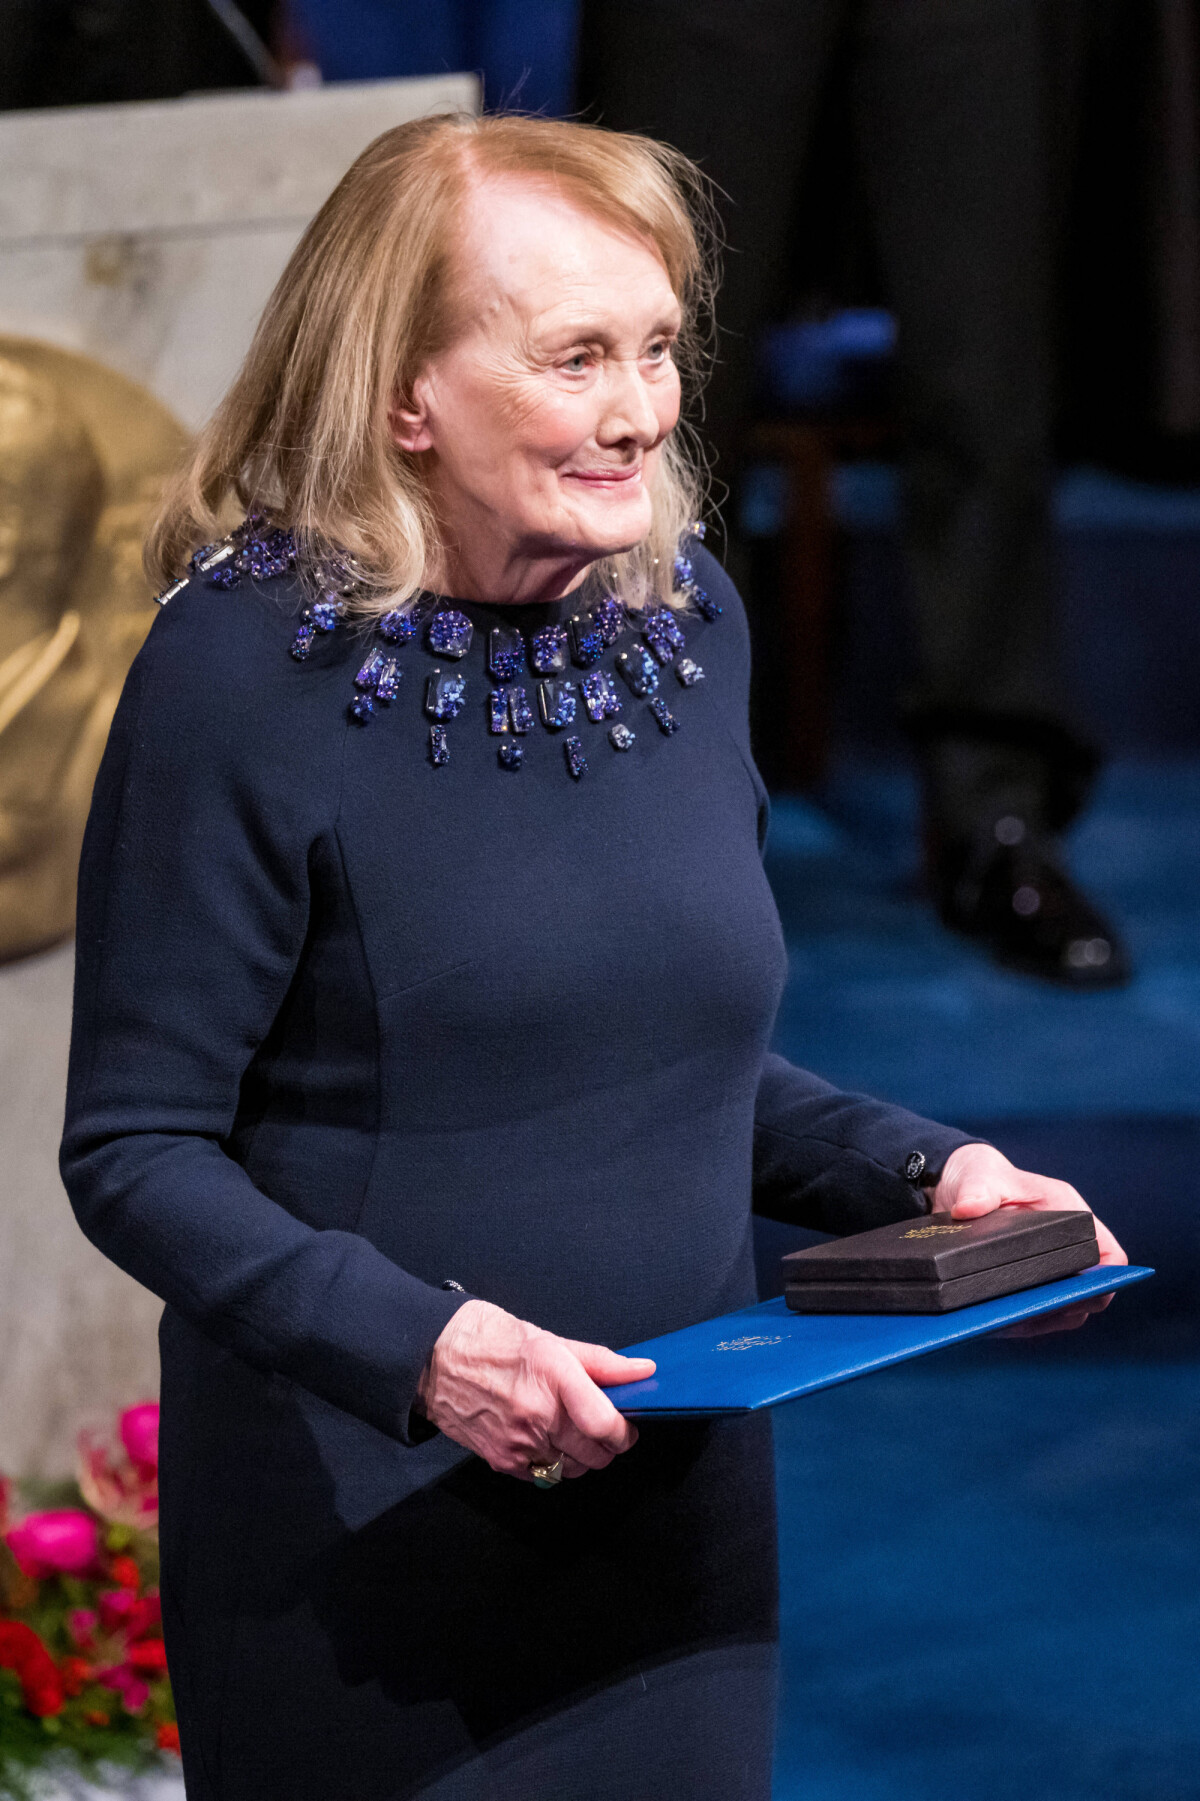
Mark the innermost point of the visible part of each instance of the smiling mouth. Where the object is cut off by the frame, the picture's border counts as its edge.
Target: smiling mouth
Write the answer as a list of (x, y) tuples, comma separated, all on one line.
[(605, 478)]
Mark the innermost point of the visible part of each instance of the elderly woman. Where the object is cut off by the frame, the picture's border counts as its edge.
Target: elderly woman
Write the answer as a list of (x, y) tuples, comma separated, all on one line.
[(426, 976)]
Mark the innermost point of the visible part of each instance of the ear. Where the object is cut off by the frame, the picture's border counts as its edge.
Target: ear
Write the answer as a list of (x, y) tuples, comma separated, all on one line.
[(409, 421)]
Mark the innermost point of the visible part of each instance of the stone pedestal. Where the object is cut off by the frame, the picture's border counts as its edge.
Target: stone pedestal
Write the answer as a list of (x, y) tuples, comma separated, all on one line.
[(150, 235), (147, 236)]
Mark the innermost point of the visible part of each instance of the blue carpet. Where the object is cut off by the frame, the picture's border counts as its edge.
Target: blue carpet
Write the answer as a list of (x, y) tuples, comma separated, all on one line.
[(990, 1564), (881, 998), (991, 1583)]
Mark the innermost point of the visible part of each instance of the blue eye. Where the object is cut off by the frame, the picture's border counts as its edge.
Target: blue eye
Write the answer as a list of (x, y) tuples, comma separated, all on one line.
[(575, 365)]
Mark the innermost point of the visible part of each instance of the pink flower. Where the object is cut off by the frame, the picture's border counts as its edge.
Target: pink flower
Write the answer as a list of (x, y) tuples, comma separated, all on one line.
[(50, 1544), (120, 1487), (133, 1691), (138, 1427), (81, 1624)]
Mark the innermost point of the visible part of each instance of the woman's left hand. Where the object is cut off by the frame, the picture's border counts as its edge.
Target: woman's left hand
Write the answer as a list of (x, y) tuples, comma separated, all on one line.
[(977, 1179)]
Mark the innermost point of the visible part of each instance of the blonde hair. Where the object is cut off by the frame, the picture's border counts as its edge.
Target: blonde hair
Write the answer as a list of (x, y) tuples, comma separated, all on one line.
[(363, 303)]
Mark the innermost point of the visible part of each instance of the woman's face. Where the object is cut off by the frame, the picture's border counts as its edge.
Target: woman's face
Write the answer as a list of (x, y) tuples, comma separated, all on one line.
[(542, 424)]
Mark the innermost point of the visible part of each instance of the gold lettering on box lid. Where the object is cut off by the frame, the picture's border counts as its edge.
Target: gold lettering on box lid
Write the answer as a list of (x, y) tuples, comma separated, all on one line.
[(937, 1231)]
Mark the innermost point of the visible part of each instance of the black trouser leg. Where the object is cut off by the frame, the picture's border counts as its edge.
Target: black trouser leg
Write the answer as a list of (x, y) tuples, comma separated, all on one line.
[(950, 117), (736, 87)]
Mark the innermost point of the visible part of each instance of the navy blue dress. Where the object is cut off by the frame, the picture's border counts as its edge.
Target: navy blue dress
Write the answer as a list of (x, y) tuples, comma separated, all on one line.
[(350, 1024)]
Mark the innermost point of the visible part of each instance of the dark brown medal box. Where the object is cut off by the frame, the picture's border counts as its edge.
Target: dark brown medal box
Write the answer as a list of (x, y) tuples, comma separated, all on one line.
[(936, 1264)]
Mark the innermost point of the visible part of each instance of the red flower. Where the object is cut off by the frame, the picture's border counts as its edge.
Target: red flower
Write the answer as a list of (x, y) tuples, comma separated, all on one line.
[(149, 1657), (22, 1651), (168, 1737), (75, 1673), (123, 1612), (125, 1572), (96, 1716), (16, 1643), (44, 1698)]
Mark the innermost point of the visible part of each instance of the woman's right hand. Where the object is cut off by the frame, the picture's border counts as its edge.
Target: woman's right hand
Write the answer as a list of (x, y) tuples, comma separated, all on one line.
[(516, 1395)]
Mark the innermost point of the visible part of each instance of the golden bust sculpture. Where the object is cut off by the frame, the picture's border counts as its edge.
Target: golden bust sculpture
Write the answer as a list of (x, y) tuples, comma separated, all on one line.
[(83, 454)]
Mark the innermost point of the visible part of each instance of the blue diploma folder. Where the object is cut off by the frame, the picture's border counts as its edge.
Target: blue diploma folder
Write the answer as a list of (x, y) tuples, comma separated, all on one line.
[(764, 1355)]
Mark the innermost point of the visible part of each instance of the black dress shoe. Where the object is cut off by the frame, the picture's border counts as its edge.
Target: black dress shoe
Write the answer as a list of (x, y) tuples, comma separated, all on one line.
[(1010, 892)]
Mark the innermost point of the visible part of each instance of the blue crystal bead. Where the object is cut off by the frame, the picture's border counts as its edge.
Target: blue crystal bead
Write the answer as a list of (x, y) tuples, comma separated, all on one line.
[(667, 722), (639, 669), (371, 670), (362, 707), (445, 695), (511, 755), (520, 713), (506, 652), (548, 650), (273, 553), (576, 761), (388, 685), (302, 643), (609, 615), (661, 631), (704, 603), (600, 695), (498, 710), (450, 634), (587, 639), (620, 737), (556, 702), (698, 530), (439, 746), (398, 627), (326, 613), (689, 673), (684, 574)]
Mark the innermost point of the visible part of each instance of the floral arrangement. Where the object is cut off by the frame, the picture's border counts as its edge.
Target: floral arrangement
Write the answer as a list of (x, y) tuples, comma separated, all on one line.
[(83, 1672)]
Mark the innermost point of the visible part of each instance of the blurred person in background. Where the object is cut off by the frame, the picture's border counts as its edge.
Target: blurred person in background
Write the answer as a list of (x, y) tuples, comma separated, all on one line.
[(951, 129)]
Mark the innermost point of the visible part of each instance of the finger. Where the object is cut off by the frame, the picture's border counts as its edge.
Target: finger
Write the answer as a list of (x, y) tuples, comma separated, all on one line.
[(590, 1411), (1110, 1250), (588, 1452), (610, 1367), (975, 1200)]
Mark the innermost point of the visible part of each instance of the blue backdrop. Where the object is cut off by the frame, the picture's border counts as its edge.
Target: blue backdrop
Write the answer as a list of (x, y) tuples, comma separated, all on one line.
[(524, 49)]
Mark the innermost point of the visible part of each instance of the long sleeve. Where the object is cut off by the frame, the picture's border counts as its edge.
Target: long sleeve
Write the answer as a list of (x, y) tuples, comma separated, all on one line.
[(835, 1162), (194, 905)]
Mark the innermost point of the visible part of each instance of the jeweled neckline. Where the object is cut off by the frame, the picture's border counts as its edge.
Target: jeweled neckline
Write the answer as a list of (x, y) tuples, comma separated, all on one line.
[(543, 660)]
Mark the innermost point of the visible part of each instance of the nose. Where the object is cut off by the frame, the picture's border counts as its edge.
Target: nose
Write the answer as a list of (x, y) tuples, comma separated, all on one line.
[(629, 414)]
